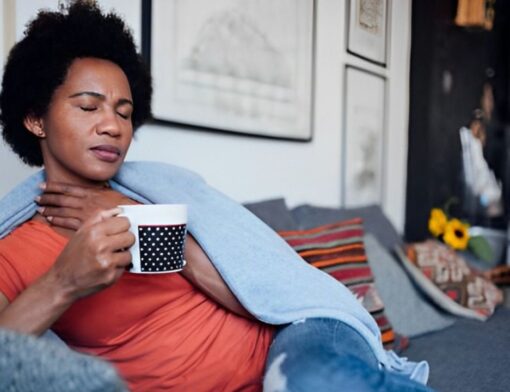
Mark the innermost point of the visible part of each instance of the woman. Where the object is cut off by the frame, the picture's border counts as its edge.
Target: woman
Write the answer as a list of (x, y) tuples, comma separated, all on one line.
[(64, 267)]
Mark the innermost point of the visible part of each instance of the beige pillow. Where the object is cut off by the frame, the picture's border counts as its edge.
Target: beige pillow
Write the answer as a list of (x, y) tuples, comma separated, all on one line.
[(449, 282)]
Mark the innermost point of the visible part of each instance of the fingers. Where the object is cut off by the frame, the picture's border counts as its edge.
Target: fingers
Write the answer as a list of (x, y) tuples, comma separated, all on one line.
[(63, 188), (105, 215), (59, 200), (121, 260), (67, 223), (122, 241), (107, 223), (61, 194), (58, 211), (115, 267), (115, 225), (70, 218)]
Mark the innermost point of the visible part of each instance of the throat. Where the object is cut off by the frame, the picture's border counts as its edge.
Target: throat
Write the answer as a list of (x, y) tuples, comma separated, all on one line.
[(58, 172)]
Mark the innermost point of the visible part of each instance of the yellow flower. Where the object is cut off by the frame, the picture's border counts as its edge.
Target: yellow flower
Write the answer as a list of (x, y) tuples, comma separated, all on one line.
[(437, 222), (456, 234)]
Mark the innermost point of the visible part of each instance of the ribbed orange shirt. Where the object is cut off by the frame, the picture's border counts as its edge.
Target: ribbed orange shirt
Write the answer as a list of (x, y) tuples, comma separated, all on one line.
[(158, 330)]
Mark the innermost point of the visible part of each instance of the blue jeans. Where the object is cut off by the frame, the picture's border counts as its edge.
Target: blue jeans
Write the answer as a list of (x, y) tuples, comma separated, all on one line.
[(322, 355)]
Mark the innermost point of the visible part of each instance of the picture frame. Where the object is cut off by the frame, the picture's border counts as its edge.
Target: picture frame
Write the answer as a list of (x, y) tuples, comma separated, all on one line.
[(368, 30), (242, 67), (364, 138)]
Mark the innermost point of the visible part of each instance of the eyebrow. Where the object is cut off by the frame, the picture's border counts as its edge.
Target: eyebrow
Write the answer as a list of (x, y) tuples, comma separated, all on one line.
[(102, 97)]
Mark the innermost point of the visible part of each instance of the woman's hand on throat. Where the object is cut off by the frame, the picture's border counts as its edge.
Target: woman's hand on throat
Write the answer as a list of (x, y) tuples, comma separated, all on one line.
[(69, 206)]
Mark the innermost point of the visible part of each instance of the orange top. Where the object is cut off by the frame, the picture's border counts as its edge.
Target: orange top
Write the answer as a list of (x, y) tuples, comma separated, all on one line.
[(158, 330)]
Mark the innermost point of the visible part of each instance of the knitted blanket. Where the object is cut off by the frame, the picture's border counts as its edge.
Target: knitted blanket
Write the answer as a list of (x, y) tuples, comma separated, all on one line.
[(31, 364)]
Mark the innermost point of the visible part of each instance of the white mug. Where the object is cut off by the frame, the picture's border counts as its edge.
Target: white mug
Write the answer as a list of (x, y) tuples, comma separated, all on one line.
[(160, 232)]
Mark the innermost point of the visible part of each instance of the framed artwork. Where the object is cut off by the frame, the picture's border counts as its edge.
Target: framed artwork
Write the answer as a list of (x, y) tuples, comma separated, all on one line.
[(368, 30), (242, 66), (363, 138)]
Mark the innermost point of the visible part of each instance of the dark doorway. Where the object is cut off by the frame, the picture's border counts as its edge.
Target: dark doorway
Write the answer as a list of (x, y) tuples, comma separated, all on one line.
[(449, 67)]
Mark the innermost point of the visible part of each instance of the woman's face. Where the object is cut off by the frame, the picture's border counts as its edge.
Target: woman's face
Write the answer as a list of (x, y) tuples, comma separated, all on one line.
[(88, 129)]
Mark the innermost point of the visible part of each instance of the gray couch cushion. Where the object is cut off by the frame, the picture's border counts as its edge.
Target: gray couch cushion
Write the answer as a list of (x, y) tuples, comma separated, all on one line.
[(274, 213), (409, 312), (31, 364), (374, 220), (470, 357)]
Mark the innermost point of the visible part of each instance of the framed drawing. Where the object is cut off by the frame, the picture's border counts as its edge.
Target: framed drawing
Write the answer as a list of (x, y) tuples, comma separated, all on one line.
[(363, 138), (368, 29), (242, 66)]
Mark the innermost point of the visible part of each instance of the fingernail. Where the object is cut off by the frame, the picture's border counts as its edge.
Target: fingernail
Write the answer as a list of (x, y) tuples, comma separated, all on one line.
[(37, 199), (49, 218), (42, 185), (40, 210)]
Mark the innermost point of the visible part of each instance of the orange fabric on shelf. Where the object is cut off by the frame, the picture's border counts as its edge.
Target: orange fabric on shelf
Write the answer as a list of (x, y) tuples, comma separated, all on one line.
[(158, 330)]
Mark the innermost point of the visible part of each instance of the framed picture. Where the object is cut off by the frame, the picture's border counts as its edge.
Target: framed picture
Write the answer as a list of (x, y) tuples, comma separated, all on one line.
[(242, 66), (363, 138), (368, 29)]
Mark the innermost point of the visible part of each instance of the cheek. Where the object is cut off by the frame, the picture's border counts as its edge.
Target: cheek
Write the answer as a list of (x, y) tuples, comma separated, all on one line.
[(65, 137), (129, 136)]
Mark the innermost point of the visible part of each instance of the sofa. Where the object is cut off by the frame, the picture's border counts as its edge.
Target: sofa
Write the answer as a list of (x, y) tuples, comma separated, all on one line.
[(464, 354)]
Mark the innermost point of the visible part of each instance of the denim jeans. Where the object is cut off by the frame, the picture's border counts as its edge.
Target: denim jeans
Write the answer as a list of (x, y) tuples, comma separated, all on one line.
[(322, 355)]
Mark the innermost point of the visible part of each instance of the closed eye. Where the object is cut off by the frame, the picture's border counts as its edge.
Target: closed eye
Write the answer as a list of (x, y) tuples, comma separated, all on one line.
[(124, 116), (88, 108)]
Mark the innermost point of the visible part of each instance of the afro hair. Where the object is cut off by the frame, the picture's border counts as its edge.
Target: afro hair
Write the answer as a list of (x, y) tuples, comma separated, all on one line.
[(39, 63)]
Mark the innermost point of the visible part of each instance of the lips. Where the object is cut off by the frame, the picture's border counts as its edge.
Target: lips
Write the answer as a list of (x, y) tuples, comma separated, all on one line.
[(106, 152)]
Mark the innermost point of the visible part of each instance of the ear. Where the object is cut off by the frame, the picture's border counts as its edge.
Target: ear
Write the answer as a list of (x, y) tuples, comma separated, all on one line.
[(34, 126)]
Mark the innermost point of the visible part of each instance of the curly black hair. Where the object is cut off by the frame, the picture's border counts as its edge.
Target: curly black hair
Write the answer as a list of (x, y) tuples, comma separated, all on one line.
[(39, 63)]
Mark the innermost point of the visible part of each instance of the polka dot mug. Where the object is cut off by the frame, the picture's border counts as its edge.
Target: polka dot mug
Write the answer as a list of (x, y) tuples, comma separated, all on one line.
[(160, 232)]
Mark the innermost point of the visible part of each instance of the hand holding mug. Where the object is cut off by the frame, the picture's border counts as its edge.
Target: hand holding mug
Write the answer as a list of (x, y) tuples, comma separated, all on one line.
[(96, 256)]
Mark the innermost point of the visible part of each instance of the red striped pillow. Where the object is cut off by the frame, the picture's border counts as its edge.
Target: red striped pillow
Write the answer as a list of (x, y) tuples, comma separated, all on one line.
[(338, 249)]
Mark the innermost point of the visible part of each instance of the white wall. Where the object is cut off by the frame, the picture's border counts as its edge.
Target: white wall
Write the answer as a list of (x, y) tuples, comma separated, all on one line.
[(250, 169)]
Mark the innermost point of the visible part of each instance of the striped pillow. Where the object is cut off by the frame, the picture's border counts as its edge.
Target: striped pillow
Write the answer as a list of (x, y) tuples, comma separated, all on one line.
[(338, 249)]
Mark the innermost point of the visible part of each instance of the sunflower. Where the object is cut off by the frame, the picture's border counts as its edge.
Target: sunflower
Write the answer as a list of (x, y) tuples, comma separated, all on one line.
[(456, 234), (437, 222)]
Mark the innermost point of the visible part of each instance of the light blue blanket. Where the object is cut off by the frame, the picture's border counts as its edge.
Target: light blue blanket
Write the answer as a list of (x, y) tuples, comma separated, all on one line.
[(266, 275)]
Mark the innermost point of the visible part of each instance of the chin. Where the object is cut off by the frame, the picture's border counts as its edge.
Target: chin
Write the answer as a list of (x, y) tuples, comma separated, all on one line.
[(102, 174)]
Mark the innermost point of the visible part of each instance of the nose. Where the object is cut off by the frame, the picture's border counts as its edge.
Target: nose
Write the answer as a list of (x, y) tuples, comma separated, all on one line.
[(109, 124)]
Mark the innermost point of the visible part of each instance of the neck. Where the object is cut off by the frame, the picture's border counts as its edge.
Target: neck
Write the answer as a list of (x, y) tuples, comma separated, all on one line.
[(56, 175)]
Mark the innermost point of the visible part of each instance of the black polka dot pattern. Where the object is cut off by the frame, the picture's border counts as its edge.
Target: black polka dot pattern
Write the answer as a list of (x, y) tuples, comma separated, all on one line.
[(161, 247)]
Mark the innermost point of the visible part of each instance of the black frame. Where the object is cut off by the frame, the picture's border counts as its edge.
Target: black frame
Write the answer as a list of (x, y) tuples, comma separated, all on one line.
[(387, 38)]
